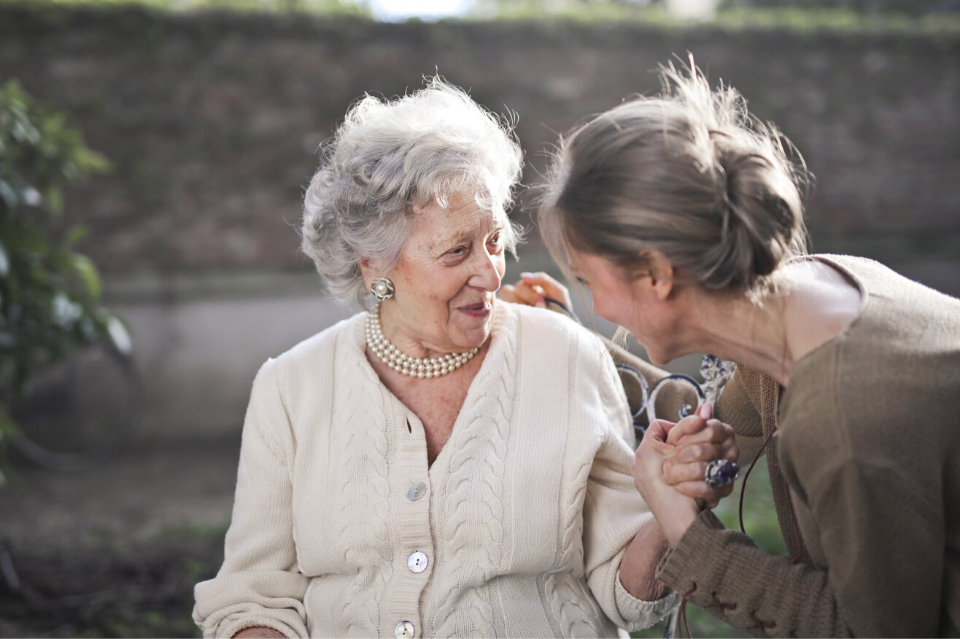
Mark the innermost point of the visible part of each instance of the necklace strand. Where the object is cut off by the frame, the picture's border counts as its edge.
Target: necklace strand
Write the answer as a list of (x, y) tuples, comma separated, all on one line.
[(420, 367)]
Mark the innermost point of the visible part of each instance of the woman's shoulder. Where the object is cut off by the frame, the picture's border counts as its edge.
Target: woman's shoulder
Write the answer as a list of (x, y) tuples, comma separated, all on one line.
[(302, 375), (878, 281), (317, 350), (567, 362), (902, 331), (557, 336), (891, 375), (550, 323), (555, 345)]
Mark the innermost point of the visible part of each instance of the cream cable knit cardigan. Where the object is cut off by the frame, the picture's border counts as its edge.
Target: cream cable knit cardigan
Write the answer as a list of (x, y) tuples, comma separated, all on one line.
[(523, 518)]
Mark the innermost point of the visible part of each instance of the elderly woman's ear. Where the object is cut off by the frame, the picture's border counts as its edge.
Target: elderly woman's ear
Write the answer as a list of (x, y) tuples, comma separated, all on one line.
[(367, 271), (370, 270)]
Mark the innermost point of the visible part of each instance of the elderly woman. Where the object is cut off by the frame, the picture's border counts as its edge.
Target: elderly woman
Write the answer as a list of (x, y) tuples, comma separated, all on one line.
[(444, 464), (683, 218)]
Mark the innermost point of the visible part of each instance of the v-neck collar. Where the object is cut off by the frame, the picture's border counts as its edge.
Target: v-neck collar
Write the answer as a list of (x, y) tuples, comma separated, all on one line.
[(505, 319)]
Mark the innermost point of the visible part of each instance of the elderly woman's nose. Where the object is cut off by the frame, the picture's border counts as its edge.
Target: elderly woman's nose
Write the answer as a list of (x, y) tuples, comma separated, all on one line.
[(487, 272)]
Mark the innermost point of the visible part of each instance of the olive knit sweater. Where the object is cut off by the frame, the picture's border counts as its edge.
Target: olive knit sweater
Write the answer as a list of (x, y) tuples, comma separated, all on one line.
[(866, 450)]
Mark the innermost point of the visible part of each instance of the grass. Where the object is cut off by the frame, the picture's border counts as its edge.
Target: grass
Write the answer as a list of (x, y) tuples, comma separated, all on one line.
[(103, 588)]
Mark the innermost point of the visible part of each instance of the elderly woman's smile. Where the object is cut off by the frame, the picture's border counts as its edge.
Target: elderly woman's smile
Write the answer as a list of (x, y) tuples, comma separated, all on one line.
[(446, 279)]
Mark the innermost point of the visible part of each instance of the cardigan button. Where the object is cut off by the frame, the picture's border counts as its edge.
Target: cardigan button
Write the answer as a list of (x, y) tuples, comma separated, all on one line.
[(417, 562), (417, 491), (405, 630)]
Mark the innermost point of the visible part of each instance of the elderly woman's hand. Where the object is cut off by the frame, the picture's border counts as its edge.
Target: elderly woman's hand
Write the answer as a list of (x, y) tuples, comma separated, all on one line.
[(673, 510), (533, 289), (699, 439)]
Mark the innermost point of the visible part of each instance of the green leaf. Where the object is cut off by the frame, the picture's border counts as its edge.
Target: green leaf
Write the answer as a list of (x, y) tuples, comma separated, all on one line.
[(8, 430), (54, 198), (24, 131), (4, 261), (7, 426), (8, 194), (89, 277), (91, 162), (76, 234), (119, 335)]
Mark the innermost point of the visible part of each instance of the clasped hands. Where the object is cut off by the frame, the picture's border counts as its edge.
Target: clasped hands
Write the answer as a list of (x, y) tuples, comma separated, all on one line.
[(670, 465)]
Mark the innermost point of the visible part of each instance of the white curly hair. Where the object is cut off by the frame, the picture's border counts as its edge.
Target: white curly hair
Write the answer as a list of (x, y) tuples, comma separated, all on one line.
[(390, 157)]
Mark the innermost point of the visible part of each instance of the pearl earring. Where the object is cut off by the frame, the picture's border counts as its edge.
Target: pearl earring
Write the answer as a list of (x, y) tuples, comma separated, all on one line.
[(382, 288)]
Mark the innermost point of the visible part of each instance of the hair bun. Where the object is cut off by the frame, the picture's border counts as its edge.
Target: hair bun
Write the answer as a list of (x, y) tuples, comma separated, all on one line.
[(690, 174), (761, 214)]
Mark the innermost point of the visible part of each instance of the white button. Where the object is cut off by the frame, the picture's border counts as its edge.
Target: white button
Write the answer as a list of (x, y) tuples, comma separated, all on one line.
[(417, 491), (405, 630), (417, 562)]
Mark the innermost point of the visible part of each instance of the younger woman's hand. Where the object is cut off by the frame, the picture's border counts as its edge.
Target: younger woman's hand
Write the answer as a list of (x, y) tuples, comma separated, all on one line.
[(699, 439), (533, 289)]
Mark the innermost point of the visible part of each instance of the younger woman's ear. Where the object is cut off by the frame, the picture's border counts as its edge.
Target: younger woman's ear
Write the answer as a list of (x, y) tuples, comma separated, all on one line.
[(661, 274)]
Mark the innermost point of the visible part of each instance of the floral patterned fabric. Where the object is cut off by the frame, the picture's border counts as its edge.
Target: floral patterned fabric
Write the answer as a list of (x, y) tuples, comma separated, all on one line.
[(716, 373)]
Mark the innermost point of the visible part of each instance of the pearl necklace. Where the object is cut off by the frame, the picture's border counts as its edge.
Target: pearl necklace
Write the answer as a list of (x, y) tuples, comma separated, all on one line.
[(421, 367)]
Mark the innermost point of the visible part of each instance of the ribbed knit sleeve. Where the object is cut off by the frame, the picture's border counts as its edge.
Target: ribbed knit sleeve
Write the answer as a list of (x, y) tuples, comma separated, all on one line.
[(725, 573), (646, 613), (613, 513), (610, 513), (259, 584)]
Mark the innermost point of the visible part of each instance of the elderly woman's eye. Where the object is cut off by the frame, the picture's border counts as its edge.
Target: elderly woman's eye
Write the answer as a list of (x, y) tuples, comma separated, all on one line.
[(582, 281)]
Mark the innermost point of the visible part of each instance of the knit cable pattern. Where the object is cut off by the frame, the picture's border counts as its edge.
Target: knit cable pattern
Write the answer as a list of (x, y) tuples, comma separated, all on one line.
[(563, 591), (566, 595), (561, 587), (363, 479), (476, 534)]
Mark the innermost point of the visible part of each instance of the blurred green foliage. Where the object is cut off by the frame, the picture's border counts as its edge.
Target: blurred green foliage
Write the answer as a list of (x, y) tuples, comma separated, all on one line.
[(320, 7), (49, 293)]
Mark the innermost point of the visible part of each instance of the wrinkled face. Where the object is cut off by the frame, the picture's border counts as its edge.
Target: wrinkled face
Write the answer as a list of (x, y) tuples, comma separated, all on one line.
[(446, 280), (630, 302)]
